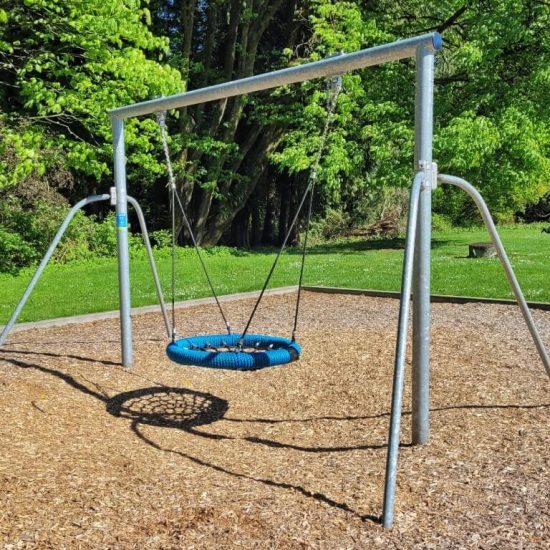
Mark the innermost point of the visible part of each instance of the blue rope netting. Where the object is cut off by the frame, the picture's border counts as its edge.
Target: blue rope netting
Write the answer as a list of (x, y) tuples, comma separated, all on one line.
[(259, 351)]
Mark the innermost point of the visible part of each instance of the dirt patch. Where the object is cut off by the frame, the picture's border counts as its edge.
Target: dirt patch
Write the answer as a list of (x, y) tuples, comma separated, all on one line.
[(165, 456)]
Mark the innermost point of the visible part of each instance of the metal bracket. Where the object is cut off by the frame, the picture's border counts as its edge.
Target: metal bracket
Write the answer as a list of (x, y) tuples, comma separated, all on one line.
[(430, 174)]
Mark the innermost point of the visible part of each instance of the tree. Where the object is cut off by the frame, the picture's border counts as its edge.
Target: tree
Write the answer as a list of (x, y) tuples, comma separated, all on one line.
[(491, 106), (492, 97), (223, 148), (243, 162), (63, 65)]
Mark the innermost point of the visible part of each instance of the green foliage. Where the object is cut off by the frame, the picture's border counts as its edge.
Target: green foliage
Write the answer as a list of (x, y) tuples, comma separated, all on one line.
[(335, 223), (15, 252), (492, 120), (493, 103), (337, 27), (29, 229), (67, 64), (440, 223), (63, 65), (162, 238), (87, 239), (26, 235)]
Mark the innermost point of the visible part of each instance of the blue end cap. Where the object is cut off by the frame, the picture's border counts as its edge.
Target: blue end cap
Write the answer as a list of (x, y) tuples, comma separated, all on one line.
[(437, 41)]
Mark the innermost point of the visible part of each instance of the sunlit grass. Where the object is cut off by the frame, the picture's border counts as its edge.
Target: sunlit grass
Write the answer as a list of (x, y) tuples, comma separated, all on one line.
[(370, 264)]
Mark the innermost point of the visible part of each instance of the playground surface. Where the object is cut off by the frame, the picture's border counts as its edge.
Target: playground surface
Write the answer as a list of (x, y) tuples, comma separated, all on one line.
[(169, 457)]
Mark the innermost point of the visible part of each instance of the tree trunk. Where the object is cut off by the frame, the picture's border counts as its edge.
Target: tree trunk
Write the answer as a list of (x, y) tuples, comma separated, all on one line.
[(268, 229), (296, 197), (255, 221), (240, 229), (222, 212), (284, 209), (223, 40)]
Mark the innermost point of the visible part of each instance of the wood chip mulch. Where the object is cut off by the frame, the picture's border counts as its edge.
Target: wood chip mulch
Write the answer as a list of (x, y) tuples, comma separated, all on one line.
[(170, 457)]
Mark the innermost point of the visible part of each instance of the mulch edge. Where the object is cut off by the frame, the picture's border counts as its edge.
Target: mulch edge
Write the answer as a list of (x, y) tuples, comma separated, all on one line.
[(101, 316), (441, 298)]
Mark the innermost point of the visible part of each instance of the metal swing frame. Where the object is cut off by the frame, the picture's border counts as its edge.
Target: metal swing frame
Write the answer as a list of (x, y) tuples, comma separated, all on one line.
[(423, 49), (57, 238), (416, 266)]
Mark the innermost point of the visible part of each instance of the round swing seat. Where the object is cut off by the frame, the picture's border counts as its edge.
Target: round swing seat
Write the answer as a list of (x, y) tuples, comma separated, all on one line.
[(222, 351)]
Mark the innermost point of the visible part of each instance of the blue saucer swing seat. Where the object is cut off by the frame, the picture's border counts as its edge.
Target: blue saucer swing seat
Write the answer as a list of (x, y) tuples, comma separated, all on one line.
[(226, 351)]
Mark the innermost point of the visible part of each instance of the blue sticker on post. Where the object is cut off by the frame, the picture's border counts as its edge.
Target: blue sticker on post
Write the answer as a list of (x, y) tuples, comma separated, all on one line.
[(122, 220)]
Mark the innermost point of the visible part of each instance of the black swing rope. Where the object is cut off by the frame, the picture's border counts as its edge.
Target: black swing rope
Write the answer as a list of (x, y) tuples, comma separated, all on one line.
[(335, 86), (174, 197)]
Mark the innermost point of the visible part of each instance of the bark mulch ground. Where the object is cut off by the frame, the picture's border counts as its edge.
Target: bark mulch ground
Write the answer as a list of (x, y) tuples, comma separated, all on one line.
[(164, 456)]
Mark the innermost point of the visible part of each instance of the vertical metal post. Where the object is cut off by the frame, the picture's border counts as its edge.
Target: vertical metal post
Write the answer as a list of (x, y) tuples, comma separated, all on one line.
[(421, 278), (122, 238)]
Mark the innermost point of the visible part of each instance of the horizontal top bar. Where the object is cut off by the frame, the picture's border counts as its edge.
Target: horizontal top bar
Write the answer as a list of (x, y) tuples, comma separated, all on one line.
[(317, 69)]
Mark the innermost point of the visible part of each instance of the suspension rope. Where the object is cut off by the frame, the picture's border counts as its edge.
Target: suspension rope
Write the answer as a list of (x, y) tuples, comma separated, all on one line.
[(334, 89), (335, 86), (173, 211), (300, 280), (175, 197)]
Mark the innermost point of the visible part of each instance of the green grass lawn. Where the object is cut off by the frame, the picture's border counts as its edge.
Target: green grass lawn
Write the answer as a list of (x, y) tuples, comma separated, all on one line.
[(369, 264)]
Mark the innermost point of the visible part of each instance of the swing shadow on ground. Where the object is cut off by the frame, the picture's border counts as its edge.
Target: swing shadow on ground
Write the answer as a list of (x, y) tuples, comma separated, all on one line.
[(187, 410), (183, 409)]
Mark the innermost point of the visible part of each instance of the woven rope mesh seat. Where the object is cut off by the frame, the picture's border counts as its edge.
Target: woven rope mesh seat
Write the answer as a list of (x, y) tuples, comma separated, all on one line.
[(226, 351)]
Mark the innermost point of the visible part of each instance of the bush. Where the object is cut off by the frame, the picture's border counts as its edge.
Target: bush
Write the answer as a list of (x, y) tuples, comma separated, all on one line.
[(335, 223), (76, 244), (442, 223), (87, 238), (104, 239), (160, 239), (15, 253), (26, 234)]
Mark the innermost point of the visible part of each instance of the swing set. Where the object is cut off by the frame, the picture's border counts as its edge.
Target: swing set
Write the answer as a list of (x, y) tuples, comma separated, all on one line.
[(247, 351)]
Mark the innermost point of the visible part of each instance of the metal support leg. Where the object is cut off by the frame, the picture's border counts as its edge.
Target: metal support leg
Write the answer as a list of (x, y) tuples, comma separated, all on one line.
[(122, 239), (147, 243), (421, 278), (400, 352), (46, 259), (514, 285)]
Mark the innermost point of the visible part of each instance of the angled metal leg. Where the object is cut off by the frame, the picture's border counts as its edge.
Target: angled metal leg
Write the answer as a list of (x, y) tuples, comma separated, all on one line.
[(147, 243), (400, 352), (61, 231), (46, 259), (514, 285)]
